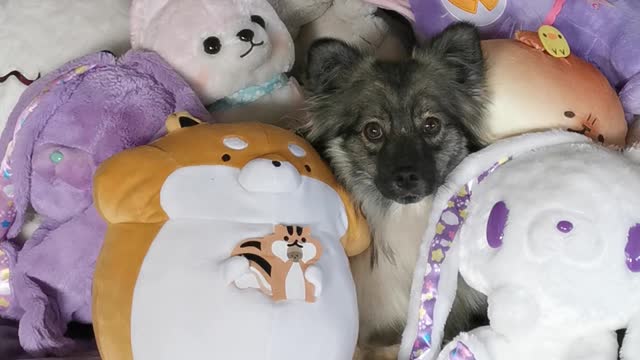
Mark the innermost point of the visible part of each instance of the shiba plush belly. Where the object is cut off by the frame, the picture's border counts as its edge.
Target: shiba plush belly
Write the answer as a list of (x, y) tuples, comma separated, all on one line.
[(181, 297)]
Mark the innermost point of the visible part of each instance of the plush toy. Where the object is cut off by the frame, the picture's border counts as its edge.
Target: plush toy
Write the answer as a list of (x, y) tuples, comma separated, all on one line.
[(64, 125), (235, 54), (358, 22), (527, 223), (225, 239), (603, 32), (532, 90), (38, 36)]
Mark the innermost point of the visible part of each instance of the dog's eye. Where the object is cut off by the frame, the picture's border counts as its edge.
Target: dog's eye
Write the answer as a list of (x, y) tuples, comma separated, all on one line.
[(373, 131), (431, 125), (258, 20), (212, 45)]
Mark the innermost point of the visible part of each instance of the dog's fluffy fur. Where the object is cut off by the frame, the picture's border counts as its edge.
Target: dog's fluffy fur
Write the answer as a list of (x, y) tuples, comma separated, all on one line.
[(427, 109)]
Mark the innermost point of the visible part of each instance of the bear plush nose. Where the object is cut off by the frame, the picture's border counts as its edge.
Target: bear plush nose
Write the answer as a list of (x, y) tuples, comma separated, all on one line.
[(268, 175), (245, 35)]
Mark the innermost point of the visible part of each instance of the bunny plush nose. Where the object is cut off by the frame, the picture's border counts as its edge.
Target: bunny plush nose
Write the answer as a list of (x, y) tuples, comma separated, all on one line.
[(269, 175)]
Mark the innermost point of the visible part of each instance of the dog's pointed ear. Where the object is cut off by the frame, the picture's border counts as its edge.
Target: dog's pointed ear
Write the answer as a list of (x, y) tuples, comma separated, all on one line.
[(459, 45), (328, 60)]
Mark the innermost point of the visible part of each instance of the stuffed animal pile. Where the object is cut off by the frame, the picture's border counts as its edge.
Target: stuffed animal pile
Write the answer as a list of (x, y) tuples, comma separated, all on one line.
[(130, 131)]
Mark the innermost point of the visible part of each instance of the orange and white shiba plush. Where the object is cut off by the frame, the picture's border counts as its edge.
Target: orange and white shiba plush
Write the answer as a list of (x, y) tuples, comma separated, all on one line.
[(223, 242)]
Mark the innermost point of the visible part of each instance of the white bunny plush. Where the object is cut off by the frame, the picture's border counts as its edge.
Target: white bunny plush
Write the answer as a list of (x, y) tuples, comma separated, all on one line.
[(547, 226)]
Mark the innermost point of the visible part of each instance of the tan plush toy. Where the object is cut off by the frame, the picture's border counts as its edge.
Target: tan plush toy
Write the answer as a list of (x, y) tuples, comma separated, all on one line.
[(222, 233)]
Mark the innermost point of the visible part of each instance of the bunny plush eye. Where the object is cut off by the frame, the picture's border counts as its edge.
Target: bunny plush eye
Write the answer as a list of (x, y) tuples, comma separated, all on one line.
[(496, 223)]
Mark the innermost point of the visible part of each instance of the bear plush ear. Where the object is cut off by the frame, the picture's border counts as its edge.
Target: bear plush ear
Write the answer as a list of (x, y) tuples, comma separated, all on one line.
[(127, 186), (142, 11), (181, 120)]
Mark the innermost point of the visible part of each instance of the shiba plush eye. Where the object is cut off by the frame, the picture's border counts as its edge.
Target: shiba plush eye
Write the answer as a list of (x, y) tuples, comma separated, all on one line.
[(373, 131), (569, 114), (212, 45), (258, 20), (431, 125)]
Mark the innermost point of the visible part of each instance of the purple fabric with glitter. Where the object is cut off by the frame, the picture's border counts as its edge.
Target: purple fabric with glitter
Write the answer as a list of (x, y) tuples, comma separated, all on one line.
[(586, 24), (461, 352), (64, 125), (446, 230)]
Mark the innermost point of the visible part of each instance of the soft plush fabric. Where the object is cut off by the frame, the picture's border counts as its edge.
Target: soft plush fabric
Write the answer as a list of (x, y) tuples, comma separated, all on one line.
[(226, 232), (221, 48), (544, 226), (38, 36), (531, 90), (63, 127), (603, 32), (358, 22)]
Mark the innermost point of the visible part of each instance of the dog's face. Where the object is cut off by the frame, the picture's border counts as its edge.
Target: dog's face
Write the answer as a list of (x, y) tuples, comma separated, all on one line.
[(393, 131)]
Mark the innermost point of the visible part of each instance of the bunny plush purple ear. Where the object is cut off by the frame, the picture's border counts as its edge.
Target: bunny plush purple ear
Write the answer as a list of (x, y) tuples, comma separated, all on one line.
[(18, 137), (436, 275)]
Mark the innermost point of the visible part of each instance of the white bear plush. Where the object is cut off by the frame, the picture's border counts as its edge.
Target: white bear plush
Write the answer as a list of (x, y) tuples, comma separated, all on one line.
[(546, 225), (38, 36), (234, 54)]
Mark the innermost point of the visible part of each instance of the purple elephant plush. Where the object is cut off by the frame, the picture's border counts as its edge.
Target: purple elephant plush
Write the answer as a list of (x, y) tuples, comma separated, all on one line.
[(65, 125), (604, 32)]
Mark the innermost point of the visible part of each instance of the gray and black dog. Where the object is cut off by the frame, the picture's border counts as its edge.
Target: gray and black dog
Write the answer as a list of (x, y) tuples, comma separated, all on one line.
[(392, 132)]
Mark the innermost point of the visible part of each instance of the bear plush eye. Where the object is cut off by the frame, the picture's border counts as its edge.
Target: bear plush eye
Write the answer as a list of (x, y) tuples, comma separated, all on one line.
[(258, 20), (212, 45)]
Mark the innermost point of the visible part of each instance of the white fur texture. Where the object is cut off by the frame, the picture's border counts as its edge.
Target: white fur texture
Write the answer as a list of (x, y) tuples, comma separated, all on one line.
[(552, 294), (382, 290)]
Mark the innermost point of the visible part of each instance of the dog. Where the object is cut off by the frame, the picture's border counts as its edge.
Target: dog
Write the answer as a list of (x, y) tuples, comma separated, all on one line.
[(391, 132)]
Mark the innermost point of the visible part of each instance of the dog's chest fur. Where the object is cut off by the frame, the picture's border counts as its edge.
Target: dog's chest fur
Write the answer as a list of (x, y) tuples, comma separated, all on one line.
[(383, 274)]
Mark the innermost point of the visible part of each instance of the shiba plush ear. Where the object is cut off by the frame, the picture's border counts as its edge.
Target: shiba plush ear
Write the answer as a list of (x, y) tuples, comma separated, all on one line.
[(181, 120), (328, 61), (459, 46)]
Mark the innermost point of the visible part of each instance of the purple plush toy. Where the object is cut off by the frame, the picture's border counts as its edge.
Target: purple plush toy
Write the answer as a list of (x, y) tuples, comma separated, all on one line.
[(603, 32), (63, 127)]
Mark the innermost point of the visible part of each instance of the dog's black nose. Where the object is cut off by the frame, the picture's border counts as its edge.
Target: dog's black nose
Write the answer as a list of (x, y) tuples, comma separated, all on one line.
[(406, 179), (245, 35)]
